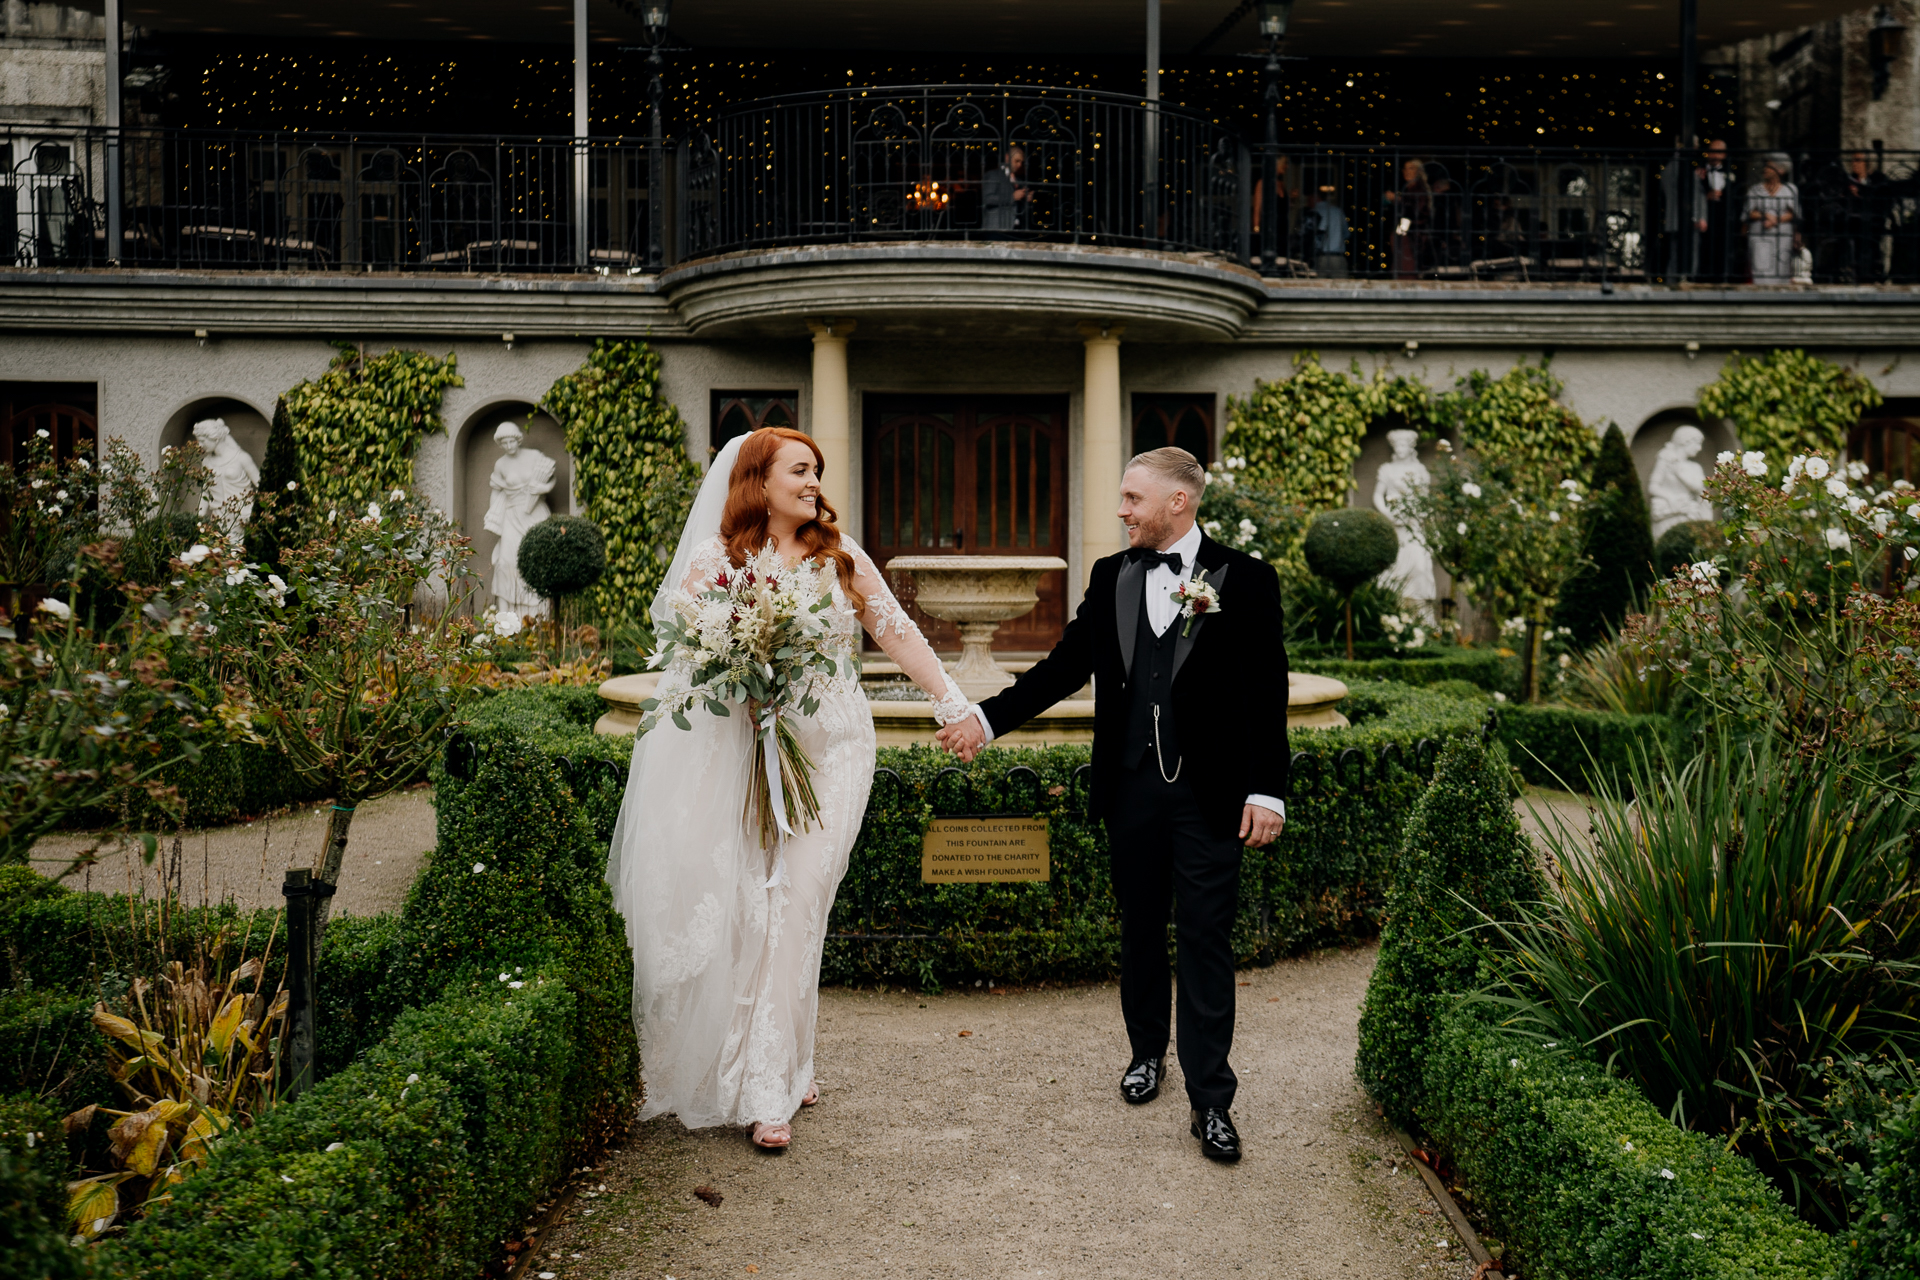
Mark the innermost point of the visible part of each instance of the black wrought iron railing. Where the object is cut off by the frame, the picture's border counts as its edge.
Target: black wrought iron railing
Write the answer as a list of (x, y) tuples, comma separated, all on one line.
[(992, 164)]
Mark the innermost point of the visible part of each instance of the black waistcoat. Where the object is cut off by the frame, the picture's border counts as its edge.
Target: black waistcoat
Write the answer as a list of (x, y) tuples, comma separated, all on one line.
[(1151, 684)]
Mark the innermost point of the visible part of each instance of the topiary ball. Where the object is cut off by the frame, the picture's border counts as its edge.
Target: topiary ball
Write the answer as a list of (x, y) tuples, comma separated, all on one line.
[(1351, 547), (562, 556)]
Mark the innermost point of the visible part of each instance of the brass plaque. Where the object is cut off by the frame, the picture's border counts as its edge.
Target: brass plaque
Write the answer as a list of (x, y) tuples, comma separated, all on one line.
[(975, 850)]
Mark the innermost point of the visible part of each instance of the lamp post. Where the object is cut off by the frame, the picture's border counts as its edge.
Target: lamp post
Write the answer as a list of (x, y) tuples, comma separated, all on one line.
[(1274, 16), (1886, 42)]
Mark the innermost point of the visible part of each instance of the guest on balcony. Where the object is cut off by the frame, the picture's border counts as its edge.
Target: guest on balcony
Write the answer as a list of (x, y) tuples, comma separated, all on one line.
[(1446, 242), (1004, 194), (1281, 199), (1852, 217), (1711, 182), (1412, 205), (1772, 215), (1323, 232)]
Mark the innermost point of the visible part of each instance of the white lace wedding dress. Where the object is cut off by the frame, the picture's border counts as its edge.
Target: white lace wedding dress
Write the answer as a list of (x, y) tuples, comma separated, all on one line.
[(727, 965)]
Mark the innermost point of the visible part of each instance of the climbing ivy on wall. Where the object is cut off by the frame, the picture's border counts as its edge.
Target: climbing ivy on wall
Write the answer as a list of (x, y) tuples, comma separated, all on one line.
[(1302, 434), (1518, 426), (1788, 402), (357, 425), (631, 469)]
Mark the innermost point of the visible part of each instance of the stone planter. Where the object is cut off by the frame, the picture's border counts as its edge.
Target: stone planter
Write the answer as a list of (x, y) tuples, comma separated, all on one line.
[(1311, 699), (977, 594)]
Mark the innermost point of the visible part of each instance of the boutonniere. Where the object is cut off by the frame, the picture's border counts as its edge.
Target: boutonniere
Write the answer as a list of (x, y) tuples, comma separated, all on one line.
[(1195, 597)]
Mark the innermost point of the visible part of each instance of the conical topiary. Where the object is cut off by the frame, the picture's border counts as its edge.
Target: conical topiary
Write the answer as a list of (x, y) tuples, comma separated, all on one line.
[(1462, 854), (1617, 545), (282, 498)]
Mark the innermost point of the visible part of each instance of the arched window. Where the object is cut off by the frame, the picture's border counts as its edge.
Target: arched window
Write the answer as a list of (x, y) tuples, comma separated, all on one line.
[(1183, 420), (735, 413)]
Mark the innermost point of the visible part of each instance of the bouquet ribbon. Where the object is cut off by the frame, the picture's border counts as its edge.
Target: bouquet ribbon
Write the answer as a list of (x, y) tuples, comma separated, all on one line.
[(776, 790)]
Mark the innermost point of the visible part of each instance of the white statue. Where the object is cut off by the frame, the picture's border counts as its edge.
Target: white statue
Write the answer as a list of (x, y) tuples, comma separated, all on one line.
[(521, 480), (234, 477), (1673, 492), (1405, 473)]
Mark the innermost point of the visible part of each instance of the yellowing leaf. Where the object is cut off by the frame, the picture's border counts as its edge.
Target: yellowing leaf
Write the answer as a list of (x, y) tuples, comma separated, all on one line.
[(92, 1203), (117, 1027)]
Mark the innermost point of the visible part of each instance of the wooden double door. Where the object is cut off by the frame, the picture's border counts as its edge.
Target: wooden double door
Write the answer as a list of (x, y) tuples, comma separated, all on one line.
[(971, 475)]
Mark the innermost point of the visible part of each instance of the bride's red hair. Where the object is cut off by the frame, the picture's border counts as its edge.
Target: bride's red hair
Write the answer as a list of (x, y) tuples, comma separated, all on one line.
[(743, 525)]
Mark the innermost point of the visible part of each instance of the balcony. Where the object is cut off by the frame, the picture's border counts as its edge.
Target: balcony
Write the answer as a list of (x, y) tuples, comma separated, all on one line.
[(983, 165)]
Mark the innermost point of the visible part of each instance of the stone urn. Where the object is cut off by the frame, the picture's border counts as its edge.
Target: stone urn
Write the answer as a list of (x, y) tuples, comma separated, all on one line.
[(977, 594), (625, 694), (1311, 699)]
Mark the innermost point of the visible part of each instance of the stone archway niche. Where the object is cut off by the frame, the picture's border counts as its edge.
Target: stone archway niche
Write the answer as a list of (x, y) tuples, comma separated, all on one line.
[(249, 426), (477, 454)]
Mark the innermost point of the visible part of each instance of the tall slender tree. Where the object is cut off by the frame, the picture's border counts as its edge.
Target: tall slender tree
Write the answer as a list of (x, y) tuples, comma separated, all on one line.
[(1617, 548), (282, 497)]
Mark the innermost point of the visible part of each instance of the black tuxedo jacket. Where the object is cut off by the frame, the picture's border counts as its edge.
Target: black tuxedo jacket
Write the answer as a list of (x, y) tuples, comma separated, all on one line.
[(1229, 682)]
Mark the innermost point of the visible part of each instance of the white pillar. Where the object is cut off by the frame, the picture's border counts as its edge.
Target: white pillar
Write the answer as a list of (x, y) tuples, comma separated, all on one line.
[(830, 421), (580, 125), (1103, 432)]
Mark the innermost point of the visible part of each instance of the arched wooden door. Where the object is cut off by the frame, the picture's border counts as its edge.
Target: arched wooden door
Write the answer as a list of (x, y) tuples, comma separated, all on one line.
[(973, 475)]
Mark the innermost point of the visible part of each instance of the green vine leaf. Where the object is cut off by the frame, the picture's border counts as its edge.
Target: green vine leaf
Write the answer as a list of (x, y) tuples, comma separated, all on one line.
[(1787, 403), (357, 425)]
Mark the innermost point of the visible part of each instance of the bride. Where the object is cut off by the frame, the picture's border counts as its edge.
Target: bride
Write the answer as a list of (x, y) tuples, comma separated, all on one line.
[(726, 935)]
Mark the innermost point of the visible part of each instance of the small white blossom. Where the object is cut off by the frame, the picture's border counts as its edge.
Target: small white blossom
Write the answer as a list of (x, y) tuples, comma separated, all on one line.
[(478, 867), (1571, 486), (1854, 502), (276, 590), (1553, 517), (1836, 487), (238, 575), (373, 511), (196, 553), (396, 495), (1858, 470), (1754, 463), (1881, 519), (61, 495), (1704, 571), (1668, 1174), (1461, 528), (58, 608), (42, 433), (1513, 1062), (1626, 1144), (1724, 457), (1837, 540), (1471, 489), (1566, 660), (1817, 469), (1499, 697), (336, 1146), (515, 986), (292, 485), (506, 624), (1696, 1235), (1911, 552)]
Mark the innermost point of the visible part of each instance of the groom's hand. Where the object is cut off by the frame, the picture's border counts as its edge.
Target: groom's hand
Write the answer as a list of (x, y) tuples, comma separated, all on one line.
[(1259, 825), (963, 738)]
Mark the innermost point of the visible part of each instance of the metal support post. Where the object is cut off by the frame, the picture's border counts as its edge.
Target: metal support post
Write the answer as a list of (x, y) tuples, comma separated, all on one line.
[(303, 893), (1150, 141), (114, 76), (580, 130)]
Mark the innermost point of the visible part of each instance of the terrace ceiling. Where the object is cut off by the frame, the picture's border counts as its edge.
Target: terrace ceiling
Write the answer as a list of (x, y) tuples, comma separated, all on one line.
[(1352, 28)]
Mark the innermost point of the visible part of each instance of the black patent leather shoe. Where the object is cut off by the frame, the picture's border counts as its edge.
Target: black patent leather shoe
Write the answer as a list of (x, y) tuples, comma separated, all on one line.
[(1142, 1081), (1219, 1140)]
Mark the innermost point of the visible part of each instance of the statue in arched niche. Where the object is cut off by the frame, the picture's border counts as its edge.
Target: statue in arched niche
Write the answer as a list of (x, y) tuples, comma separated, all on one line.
[(521, 480), (1673, 491), (1402, 475), (233, 476)]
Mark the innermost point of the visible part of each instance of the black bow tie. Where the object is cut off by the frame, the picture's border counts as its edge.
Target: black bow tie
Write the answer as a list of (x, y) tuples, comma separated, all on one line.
[(1171, 559)]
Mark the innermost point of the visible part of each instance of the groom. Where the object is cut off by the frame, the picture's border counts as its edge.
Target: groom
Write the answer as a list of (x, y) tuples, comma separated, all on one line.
[(1189, 763)]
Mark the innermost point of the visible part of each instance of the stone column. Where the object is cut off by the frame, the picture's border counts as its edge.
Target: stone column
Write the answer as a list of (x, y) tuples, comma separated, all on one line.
[(1103, 450), (830, 422)]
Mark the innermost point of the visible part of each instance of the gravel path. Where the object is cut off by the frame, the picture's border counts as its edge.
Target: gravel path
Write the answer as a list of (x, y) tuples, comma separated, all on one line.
[(386, 846), (1008, 1152)]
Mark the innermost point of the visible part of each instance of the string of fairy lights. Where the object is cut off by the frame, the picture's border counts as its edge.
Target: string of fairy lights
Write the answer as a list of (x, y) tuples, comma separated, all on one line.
[(477, 88)]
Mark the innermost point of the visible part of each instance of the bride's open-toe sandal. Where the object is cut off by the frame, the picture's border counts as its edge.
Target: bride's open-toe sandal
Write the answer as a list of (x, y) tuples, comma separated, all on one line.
[(770, 1136), (813, 1094)]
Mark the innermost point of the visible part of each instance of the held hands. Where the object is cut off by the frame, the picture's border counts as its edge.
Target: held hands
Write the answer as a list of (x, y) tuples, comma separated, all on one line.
[(1258, 825), (963, 738)]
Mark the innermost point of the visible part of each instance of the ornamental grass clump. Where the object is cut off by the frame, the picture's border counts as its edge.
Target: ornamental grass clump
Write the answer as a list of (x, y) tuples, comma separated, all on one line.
[(1727, 924)]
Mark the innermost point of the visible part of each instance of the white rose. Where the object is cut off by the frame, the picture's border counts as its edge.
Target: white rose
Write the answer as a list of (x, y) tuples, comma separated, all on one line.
[(1471, 489), (1553, 517), (196, 553), (292, 485), (1837, 540), (1817, 468), (1461, 528), (1724, 458), (1835, 487), (373, 511), (396, 495), (1754, 463), (1855, 503), (1881, 519), (506, 624), (58, 608)]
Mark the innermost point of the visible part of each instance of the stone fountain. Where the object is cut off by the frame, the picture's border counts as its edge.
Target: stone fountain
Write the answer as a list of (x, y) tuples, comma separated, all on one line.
[(977, 594)]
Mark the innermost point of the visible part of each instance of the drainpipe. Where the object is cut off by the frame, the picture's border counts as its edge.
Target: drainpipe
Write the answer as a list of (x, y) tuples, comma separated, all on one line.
[(114, 75)]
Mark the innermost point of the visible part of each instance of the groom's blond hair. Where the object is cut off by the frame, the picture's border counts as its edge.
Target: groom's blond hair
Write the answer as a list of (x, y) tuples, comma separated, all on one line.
[(1176, 466)]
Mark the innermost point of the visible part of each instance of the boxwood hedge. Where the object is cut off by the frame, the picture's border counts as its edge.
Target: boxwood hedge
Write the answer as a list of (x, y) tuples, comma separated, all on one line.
[(1557, 746)]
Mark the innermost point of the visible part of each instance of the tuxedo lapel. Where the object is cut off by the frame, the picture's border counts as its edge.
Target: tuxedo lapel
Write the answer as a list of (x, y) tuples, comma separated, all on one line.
[(1128, 591), (1216, 575)]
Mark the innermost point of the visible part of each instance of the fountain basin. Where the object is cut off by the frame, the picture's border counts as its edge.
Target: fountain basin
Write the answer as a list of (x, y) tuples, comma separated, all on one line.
[(1311, 699), (977, 594)]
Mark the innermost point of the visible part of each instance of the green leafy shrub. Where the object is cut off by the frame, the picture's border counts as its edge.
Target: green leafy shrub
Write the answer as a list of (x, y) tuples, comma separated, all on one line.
[(1517, 425), (558, 720), (354, 1000), (631, 469), (1463, 853), (282, 501), (33, 1195), (1688, 542), (517, 880), (1787, 403), (562, 556), (1585, 1180), (357, 425), (1575, 747), (412, 1162), (1883, 1241), (50, 1049), (1616, 549), (1350, 547)]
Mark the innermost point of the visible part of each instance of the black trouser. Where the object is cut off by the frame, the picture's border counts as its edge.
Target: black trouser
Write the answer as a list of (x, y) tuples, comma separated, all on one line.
[(1165, 862)]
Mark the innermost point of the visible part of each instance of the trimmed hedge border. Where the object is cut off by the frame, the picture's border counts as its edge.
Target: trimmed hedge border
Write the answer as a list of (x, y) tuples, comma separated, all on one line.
[(1490, 669), (1321, 884), (1556, 746)]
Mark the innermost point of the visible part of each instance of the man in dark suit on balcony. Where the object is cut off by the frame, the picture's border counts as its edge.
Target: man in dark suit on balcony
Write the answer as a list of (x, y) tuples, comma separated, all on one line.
[(1183, 640), (1004, 194)]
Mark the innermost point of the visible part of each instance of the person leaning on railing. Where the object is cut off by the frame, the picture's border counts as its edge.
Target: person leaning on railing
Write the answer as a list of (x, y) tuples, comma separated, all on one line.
[(1850, 218), (1772, 216), (1412, 208)]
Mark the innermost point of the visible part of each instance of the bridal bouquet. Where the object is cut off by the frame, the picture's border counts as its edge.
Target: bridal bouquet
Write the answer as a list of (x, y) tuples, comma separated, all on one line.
[(755, 636)]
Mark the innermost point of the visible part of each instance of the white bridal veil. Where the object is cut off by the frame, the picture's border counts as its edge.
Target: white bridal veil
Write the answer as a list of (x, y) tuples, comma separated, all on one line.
[(684, 875)]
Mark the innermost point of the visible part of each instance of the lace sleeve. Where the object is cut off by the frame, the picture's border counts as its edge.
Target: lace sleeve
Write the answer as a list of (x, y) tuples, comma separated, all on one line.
[(709, 560), (887, 622)]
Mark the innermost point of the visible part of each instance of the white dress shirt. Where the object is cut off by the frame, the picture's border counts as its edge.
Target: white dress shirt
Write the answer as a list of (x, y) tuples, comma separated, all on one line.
[(1161, 613)]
